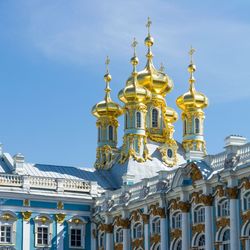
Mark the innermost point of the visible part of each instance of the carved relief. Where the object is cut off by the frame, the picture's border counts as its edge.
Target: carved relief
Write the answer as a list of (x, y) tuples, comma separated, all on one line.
[(26, 215), (175, 233), (207, 200), (118, 246), (223, 222), (145, 218), (137, 243), (154, 239), (232, 192), (220, 191), (60, 217), (195, 173), (184, 206), (245, 183), (198, 228), (245, 216)]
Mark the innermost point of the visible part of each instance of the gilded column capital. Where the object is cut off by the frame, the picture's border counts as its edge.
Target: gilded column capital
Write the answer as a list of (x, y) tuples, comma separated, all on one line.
[(60, 217), (184, 206), (207, 200), (26, 215), (145, 218), (125, 223), (161, 212), (232, 192), (108, 228)]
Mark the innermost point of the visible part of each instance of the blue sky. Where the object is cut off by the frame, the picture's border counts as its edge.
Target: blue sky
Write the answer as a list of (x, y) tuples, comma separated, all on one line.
[(52, 57)]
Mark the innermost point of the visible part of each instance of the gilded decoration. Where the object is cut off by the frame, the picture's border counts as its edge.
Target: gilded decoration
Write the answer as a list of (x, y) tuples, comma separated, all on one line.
[(232, 192), (26, 215), (198, 228), (196, 197), (223, 222), (174, 204), (119, 222), (184, 206), (219, 191), (175, 233), (137, 243), (245, 183), (207, 200), (118, 246), (154, 239), (26, 202), (60, 218), (60, 205), (245, 216), (195, 173), (243, 241), (136, 215), (107, 228), (145, 218)]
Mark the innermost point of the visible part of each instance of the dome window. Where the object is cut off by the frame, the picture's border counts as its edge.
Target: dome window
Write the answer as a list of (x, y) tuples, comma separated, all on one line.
[(138, 119), (155, 115)]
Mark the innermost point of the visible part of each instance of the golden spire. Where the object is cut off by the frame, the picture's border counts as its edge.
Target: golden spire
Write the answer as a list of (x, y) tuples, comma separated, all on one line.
[(149, 41), (107, 79), (191, 70), (134, 60)]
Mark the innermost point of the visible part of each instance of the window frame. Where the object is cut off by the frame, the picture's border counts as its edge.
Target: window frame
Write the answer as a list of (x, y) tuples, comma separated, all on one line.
[(199, 214), (197, 125), (176, 220), (119, 235), (155, 120), (136, 232), (221, 208), (110, 133), (138, 119), (156, 225)]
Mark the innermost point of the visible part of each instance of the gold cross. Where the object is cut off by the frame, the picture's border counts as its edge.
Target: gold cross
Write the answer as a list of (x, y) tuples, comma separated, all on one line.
[(134, 44), (148, 24), (191, 52), (107, 63)]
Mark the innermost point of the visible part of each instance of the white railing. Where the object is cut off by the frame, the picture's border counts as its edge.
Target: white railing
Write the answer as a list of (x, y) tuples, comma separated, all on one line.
[(218, 161), (44, 183), (10, 180), (244, 153)]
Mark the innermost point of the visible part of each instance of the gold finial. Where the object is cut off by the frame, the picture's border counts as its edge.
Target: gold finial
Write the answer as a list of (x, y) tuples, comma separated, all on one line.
[(162, 68), (107, 64), (191, 52), (148, 25), (134, 59)]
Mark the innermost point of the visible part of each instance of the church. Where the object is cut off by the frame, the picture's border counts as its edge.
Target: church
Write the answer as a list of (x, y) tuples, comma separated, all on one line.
[(148, 192)]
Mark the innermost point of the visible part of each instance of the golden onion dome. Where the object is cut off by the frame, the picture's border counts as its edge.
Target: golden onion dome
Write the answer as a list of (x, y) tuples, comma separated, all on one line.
[(154, 80), (133, 92), (192, 99), (107, 107), (170, 115)]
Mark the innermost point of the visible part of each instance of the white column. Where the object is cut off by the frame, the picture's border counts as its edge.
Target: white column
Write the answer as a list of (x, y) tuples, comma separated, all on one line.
[(185, 231), (146, 232), (208, 227), (163, 233), (109, 237), (126, 238), (60, 235), (234, 229), (26, 234), (93, 236)]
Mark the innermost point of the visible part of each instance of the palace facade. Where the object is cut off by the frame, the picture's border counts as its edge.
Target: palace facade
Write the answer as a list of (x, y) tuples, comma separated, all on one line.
[(150, 193)]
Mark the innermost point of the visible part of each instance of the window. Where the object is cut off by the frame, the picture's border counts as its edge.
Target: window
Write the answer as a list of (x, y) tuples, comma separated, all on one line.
[(223, 208), (76, 237), (197, 125), (111, 136), (43, 231), (138, 119), (170, 153), (155, 118), (247, 201), (176, 220), (101, 240), (201, 242), (185, 127), (156, 225), (137, 231), (119, 235), (6, 232), (99, 134), (76, 232), (126, 120), (178, 245), (42, 236), (199, 215), (226, 240)]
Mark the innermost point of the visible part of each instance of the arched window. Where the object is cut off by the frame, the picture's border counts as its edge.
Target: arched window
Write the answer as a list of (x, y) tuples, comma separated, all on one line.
[(119, 235), (99, 134), (197, 125), (156, 225), (185, 127), (178, 245), (223, 208), (111, 133), (199, 215), (138, 119), (176, 220), (101, 240), (155, 118), (137, 231), (126, 120), (201, 242), (226, 240), (246, 201)]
